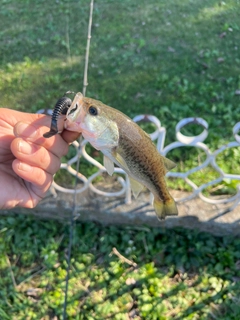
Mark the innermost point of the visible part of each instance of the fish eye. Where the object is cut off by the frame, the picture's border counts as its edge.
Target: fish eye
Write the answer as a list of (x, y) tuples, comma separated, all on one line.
[(93, 111), (73, 109)]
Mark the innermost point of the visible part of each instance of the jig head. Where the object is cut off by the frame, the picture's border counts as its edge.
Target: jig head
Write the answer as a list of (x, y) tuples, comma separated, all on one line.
[(61, 107)]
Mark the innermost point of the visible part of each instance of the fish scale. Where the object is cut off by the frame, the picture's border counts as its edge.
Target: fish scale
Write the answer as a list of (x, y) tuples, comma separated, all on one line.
[(144, 162)]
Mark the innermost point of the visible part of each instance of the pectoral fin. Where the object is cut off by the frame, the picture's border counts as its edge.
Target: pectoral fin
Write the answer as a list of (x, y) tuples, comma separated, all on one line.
[(136, 187), (108, 164), (169, 164)]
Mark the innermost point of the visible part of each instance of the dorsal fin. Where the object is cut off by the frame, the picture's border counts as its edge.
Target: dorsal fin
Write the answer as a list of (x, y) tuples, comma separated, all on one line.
[(169, 164)]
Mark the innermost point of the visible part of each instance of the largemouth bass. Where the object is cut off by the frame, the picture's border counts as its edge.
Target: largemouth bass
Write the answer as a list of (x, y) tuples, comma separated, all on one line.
[(124, 143)]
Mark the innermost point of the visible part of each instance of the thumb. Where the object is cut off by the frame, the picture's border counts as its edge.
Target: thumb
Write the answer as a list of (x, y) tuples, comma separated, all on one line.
[(70, 136)]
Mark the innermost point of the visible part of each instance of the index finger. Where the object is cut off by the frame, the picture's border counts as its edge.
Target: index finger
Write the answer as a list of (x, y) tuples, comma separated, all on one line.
[(33, 132), (68, 136)]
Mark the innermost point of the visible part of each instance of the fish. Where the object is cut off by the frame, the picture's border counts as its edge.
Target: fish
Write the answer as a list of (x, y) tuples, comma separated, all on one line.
[(125, 144)]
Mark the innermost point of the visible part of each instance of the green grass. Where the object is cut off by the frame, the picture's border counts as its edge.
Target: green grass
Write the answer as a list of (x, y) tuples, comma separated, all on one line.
[(173, 59), (132, 66), (179, 275)]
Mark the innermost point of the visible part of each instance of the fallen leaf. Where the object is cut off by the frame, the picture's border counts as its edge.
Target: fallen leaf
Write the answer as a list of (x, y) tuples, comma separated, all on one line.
[(170, 49), (222, 35), (220, 59), (237, 264), (130, 281)]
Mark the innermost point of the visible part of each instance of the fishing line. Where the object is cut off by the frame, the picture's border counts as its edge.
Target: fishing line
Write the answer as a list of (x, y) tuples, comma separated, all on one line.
[(72, 217)]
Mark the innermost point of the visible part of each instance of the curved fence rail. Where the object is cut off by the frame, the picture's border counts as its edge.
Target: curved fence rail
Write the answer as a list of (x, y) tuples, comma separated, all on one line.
[(159, 137)]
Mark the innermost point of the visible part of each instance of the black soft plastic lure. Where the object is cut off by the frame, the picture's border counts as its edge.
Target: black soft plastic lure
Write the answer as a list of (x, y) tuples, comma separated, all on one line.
[(61, 107)]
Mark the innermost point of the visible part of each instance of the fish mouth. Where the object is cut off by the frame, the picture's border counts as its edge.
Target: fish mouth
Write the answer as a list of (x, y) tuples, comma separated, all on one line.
[(75, 114)]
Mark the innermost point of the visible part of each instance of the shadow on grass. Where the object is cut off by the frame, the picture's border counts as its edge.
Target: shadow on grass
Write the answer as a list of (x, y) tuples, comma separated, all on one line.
[(179, 273)]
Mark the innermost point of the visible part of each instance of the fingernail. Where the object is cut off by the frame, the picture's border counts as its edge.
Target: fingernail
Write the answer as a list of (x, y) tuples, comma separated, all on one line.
[(24, 167), (25, 130), (25, 147)]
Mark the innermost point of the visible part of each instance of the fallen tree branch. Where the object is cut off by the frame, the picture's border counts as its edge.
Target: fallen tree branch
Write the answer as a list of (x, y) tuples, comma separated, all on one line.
[(122, 258)]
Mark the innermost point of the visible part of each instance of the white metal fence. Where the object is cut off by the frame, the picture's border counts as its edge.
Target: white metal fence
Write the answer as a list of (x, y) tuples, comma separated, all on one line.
[(159, 137)]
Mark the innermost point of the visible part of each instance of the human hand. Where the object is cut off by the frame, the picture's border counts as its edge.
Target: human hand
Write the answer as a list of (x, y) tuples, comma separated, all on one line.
[(28, 161)]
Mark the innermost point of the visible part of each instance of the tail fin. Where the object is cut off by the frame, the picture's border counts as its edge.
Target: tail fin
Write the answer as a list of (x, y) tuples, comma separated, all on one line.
[(163, 209)]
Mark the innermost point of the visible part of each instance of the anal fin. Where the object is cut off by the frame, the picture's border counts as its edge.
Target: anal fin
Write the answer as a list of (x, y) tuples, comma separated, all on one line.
[(136, 187)]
